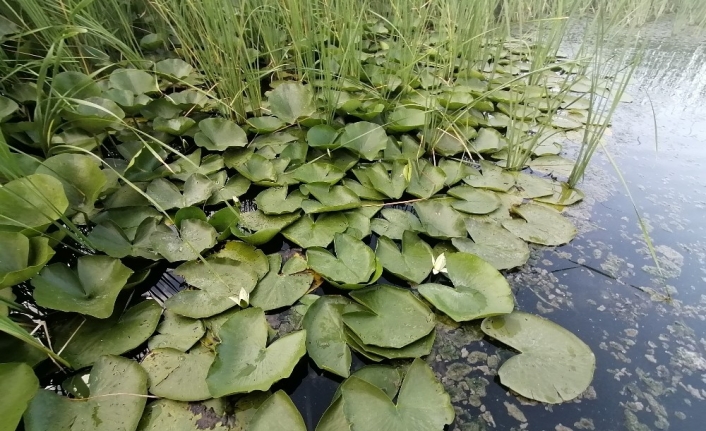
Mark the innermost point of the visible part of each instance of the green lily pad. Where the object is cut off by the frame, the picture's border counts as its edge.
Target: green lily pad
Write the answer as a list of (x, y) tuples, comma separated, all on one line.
[(405, 120), (199, 304), (494, 244), (364, 138), (426, 179), (75, 85), (552, 165), (488, 141), (220, 276), (228, 190), (353, 265), (318, 172), (265, 124), (192, 163), (553, 366), (197, 190), (31, 203), (479, 289), (413, 263), (291, 101), (417, 349), (118, 389), (531, 186), (439, 219), (364, 191), (175, 68), (134, 81), (390, 183), (359, 220), (385, 377), (116, 242), (562, 195), (86, 339), (422, 405), (473, 200), (326, 198), (243, 361), (280, 289), (180, 416), (322, 136), (176, 332), (309, 232), (91, 289), (246, 254), (193, 237), (18, 385), (277, 412), (492, 177), (404, 316), (174, 126), (256, 227), (81, 177), (541, 225), (95, 115), (395, 222), (446, 142), (21, 258), (219, 134), (179, 376)]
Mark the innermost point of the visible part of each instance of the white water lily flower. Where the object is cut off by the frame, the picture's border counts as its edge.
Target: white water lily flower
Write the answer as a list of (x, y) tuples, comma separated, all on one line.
[(439, 264), (243, 298)]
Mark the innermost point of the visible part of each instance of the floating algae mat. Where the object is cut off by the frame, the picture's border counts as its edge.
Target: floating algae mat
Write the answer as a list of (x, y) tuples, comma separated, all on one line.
[(435, 184)]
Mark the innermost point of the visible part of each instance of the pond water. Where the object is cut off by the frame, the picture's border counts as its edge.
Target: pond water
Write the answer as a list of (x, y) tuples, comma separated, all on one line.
[(647, 331)]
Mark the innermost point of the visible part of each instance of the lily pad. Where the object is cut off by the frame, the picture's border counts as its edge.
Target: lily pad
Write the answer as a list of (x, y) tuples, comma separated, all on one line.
[(318, 172), (274, 201), (243, 361), (322, 136), (417, 349), (473, 200), (426, 179), (422, 405), (309, 232), (291, 101), (31, 203), (179, 376), (532, 186), (86, 339), (364, 138), (405, 318), (392, 183), (176, 332), (118, 389), (21, 258), (265, 124), (134, 81), (326, 198), (280, 289), (553, 365), (220, 276), (174, 126), (353, 265), (492, 177), (405, 120), (541, 225), (81, 176), (219, 134), (197, 189), (439, 219), (193, 237), (257, 228), (91, 289), (494, 244), (562, 195), (199, 304), (413, 263), (479, 289), (359, 220), (180, 416), (277, 412), (395, 222), (175, 68), (552, 165), (18, 385)]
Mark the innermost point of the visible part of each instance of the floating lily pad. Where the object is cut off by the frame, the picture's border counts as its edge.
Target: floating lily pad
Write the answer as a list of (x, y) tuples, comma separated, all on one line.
[(199, 304), (359, 220), (134, 81), (562, 195), (488, 141), (553, 365), (327, 198), (247, 254), (219, 134), (531, 186), (413, 263), (439, 219), (353, 265), (473, 200), (193, 237), (552, 165), (220, 276), (31, 203), (308, 232), (390, 183), (405, 317), (91, 289), (541, 225), (81, 177), (244, 363), (417, 349), (180, 416), (322, 136), (291, 101), (494, 244), (176, 332), (118, 389), (18, 385), (280, 289), (256, 227), (405, 120), (174, 126), (175, 68), (426, 179), (492, 177), (363, 138), (318, 172), (265, 124), (197, 189), (395, 222), (179, 376), (21, 258), (479, 289)]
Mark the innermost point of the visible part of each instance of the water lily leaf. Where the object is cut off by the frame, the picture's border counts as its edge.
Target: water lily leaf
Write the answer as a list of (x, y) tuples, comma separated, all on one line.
[(175, 68), (405, 120), (480, 290), (552, 165), (87, 338), (488, 141), (189, 100), (246, 254), (244, 363), (531, 186), (219, 134), (395, 223), (364, 138), (426, 179), (174, 126), (422, 405), (446, 142), (439, 219), (18, 384), (256, 227), (473, 200), (328, 198), (566, 123), (364, 191), (193, 237), (75, 85), (7, 108), (265, 124), (417, 349), (325, 335), (179, 376), (234, 187), (406, 318), (307, 232), (199, 304), (220, 276), (180, 416), (359, 223), (134, 81), (113, 240), (31, 203), (494, 244), (197, 189), (385, 377), (91, 289), (390, 183), (541, 225), (492, 177), (80, 175), (562, 195), (176, 332), (318, 172), (21, 258), (291, 101), (455, 99), (277, 412), (322, 136), (553, 366), (280, 289), (118, 387), (353, 265), (191, 164), (95, 115), (413, 263)]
